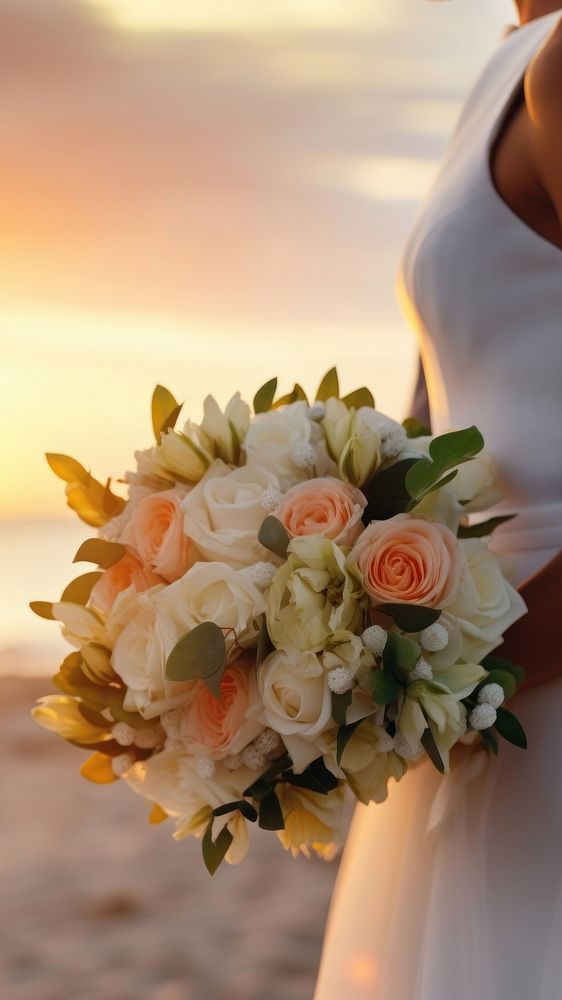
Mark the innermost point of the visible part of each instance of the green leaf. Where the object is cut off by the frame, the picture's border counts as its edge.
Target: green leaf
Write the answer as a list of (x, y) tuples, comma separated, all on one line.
[(358, 398), (101, 552), (329, 386), (414, 429), (263, 400), (383, 687), (265, 645), (246, 808), (432, 751), (316, 778), (201, 654), (340, 705), (386, 492), (273, 536), (490, 741), (485, 528), (508, 726), (344, 735), (500, 663), (264, 783), (407, 653), (78, 592), (410, 617), (447, 451), (44, 609), (165, 410), (214, 851), (296, 395), (68, 469), (270, 813)]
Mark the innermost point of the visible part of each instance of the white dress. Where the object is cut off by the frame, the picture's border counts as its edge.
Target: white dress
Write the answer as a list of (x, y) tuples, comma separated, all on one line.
[(452, 889)]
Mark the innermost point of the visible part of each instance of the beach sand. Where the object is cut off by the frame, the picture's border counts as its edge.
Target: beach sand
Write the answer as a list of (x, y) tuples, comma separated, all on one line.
[(98, 903)]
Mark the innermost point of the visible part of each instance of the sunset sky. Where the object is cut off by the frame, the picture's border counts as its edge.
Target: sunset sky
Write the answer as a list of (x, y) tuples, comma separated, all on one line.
[(205, 194)]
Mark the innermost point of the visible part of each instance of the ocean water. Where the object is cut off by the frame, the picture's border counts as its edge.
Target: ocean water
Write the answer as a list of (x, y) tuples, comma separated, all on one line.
[(246, 219)]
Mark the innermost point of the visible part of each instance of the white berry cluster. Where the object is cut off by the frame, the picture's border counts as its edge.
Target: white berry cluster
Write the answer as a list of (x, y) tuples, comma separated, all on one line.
[(434, 638), (262, 573), (484, 715), (270, 499), (374, 639), (147, 739), (304, 456), (421, 672), (340, 680)]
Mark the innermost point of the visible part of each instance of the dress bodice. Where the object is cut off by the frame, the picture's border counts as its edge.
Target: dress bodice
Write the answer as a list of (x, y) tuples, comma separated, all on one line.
[(485, 294)]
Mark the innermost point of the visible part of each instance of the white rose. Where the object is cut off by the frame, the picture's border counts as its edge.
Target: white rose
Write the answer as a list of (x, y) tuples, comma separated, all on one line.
[(223, 513), (211, 592), (226, 430), (273, 437), (138, 655), (486, 604), (296, 702)]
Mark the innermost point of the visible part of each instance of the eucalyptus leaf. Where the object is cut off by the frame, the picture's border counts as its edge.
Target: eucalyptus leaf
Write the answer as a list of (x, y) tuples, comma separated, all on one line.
[(201, 654), (508, 726), (263, 400), (265, 781), (340, 705), (214, 851), (78, 592), (358, 398), (273, 536), (329, 386), (68, 469), (344, 735), (165, 409), (270, 813), (407, 653), (383, 687), (432, 750), (101, 552), (410, 617), (415, 429), (485, 528)]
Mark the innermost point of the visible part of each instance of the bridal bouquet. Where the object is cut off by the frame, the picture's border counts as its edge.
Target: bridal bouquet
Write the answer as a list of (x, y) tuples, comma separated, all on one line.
[(289, 602)]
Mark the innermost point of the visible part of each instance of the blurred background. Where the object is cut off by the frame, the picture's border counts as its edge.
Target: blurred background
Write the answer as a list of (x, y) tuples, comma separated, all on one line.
[(202, 193)]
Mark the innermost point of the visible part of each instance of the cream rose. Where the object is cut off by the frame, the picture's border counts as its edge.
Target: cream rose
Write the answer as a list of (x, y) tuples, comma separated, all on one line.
[(155, 531), (214, 728), (406, 559), (211, 592), (486, 604), (223, 513), (325, 507), (273, 439), (296, 702)]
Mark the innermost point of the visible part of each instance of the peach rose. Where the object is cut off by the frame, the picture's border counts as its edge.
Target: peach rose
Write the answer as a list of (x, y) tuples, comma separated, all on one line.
[(409, 560), (155, 530), (325, 507), (217, 728), (130, 571)]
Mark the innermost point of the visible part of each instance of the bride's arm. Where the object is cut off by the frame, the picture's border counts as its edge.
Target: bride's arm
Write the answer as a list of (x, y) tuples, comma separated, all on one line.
[(544, 101)]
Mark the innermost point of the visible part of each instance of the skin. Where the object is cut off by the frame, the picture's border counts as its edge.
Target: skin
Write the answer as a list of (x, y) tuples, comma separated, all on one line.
[(526, 162)]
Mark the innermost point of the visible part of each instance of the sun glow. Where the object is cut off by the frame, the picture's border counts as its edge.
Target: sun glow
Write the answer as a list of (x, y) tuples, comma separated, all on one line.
[(242, 15)]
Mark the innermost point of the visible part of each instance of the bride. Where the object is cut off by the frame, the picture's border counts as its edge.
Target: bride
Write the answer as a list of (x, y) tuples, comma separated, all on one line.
[(440, 897)]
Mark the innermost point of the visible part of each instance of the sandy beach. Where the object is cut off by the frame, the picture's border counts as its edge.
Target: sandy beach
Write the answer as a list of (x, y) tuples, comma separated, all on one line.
[(97, 903)]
